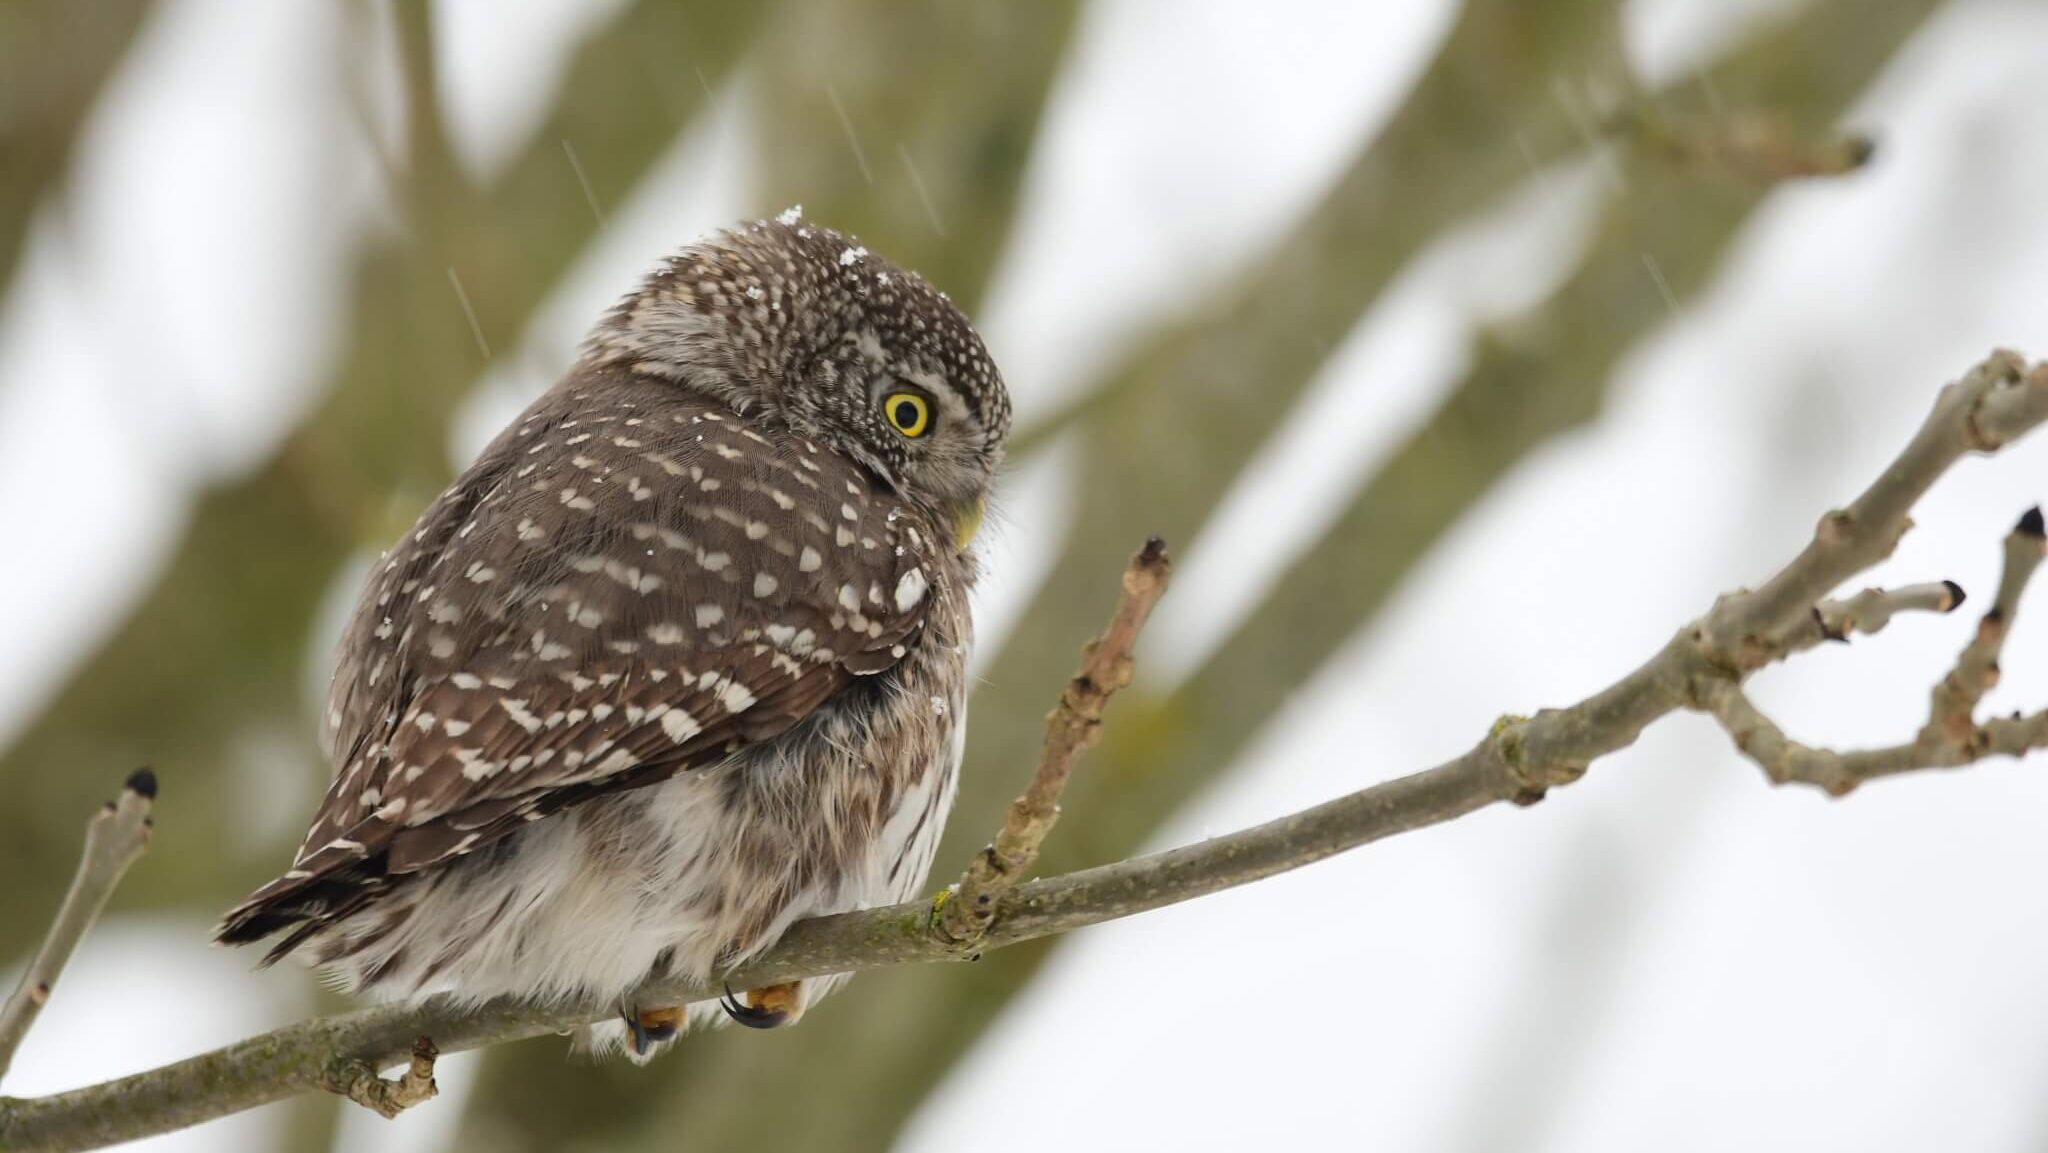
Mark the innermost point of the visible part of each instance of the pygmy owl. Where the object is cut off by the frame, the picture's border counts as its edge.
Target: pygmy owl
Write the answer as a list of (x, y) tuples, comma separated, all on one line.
[(678, 661)]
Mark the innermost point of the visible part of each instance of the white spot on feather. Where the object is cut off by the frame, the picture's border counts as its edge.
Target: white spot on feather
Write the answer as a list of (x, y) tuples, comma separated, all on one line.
[(679, 725), (520, 716), (474, 766), (910, 590), (735, 697)]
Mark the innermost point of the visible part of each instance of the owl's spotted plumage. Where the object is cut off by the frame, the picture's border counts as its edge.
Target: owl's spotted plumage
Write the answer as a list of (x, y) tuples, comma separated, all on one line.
[(678, 661)]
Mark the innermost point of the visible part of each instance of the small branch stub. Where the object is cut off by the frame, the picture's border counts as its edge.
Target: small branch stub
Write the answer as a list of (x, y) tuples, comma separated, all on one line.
[(114, 837), (1755, 148), (1872, 609), (361, 1084), (1073, 725)]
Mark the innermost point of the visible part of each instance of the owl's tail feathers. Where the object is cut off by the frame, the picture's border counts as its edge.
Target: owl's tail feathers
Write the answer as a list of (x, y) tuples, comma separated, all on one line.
[(299, 904)]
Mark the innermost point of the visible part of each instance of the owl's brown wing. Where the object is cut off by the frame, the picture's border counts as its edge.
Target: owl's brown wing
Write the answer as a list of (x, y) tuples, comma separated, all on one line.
[(625, 585)]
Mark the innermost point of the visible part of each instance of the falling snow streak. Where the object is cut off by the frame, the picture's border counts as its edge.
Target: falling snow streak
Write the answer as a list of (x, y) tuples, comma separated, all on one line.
[(924, 196), (476, 329), (1595, 143), (860, 157), (1663, 285), (583, 181)]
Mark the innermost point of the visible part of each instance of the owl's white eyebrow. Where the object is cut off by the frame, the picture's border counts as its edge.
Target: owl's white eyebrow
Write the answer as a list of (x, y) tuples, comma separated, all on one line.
[(951, 407)]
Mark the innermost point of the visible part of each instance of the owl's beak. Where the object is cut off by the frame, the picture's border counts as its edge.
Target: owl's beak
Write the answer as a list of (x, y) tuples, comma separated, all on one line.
[(967, 524)]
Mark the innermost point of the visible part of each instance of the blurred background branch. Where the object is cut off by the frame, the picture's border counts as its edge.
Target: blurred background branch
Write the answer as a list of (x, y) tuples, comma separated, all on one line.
[(54, 57)]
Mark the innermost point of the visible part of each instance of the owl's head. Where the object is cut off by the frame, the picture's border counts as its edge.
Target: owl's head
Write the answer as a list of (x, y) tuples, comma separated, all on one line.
[(789, 322)]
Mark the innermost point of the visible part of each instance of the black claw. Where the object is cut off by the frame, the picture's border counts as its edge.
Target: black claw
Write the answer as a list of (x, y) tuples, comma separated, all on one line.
[(641, 1039), (753, 1017), (645, 1036)]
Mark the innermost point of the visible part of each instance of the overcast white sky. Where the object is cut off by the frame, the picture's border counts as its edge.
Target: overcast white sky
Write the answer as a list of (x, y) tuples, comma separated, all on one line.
[(1666, 955)]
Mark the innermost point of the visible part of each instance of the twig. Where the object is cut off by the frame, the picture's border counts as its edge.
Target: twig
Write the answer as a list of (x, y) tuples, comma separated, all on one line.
[(114, 837), (1951, 714), (1516, 761), (1074, 724), (1950, 738), (1992, 405), (360, 1083), (1749, 146), (1872, 609)]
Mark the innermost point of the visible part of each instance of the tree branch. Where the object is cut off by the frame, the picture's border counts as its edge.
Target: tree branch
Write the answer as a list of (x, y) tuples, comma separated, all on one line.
[(1073, 725), (116, 835), (1702, 667), (1950, 738)]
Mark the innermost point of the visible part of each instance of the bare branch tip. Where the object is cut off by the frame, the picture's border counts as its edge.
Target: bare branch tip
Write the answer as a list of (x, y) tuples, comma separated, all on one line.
[(1956, 596), (1153, 555), (142, 782), (2008, 364)]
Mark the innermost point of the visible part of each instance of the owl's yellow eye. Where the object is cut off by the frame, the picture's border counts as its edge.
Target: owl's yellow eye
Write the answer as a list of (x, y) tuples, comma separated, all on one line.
[(910, 413)]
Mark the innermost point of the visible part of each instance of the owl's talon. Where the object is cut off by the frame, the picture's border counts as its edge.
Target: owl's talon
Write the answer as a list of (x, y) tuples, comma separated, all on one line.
[(768, 1007), (646, 1028)]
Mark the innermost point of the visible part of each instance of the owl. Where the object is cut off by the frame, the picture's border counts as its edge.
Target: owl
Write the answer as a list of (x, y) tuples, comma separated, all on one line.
[(678, 661)]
